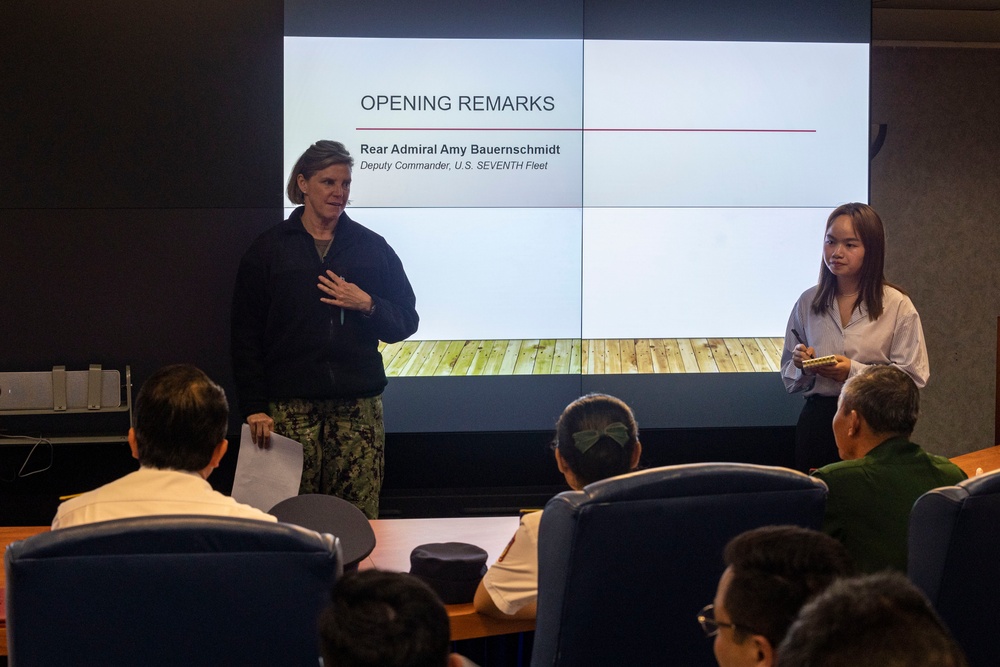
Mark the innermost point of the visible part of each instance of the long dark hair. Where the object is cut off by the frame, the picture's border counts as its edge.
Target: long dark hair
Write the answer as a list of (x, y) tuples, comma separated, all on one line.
[(868, 228)]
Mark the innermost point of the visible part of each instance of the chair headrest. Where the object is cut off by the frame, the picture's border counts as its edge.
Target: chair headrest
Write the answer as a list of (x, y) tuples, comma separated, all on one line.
[(696, 479), (173, 534), (986, 483)]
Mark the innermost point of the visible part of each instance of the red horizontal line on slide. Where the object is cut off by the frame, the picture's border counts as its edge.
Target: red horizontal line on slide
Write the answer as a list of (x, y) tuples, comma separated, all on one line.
[(566, 129)]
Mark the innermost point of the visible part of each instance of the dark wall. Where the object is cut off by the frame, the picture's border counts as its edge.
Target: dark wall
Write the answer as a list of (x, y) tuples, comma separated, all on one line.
[(455, 474), (445, 474), (141, 105), (141, 146)]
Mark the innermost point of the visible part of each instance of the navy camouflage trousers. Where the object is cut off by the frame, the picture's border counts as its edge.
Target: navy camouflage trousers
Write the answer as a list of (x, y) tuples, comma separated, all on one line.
[(343, 443)]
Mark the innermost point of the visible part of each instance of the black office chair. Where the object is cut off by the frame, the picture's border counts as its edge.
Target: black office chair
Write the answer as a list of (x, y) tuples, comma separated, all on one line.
[(169, 590), (626, 563), (954, 551)]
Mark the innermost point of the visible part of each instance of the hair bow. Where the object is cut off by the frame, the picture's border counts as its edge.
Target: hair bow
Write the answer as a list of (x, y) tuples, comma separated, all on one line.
[(617, 431)]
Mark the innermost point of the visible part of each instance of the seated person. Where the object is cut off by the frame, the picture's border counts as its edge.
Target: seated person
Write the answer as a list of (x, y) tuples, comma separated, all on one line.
[(385, 619), (596, 437), (873, 489), (179, 437), (770, 573), (872, 621)]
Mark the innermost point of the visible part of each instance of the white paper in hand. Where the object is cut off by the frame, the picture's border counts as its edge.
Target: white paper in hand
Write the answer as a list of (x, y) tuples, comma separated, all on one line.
[(265, 477)]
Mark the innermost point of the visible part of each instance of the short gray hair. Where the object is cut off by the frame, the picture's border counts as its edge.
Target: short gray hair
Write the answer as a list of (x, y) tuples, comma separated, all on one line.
[(886, 397)]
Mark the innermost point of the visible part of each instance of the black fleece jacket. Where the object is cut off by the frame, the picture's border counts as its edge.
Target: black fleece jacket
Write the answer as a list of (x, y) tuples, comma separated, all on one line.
[(287, 344)]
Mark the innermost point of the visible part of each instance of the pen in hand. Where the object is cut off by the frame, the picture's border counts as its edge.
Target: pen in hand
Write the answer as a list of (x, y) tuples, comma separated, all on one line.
[(342, 309), (805, 353)]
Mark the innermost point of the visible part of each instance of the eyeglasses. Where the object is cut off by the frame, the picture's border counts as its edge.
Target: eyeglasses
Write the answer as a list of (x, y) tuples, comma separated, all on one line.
[(706, 618)]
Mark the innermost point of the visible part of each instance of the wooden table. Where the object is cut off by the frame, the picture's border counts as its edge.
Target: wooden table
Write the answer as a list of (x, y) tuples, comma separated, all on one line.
[(395, 539), (988, 459)]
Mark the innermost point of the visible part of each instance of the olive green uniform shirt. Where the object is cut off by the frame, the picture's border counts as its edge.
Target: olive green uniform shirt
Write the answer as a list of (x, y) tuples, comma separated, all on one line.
[(870, 499)]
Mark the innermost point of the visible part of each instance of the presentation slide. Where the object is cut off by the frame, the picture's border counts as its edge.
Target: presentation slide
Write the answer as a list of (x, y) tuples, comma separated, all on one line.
[(724, 124), (589, 198), (531, 187), (442, 123)]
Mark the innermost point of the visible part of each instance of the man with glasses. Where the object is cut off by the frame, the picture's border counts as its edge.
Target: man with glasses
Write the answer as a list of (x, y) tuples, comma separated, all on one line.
[(771, 572)]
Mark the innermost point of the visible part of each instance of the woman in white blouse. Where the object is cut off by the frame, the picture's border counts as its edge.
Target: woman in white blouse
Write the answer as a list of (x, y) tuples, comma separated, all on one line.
[(853, 315)]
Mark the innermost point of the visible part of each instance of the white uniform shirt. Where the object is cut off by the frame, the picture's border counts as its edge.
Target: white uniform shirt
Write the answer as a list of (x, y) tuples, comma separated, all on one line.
[(512, 581), (151, 491)]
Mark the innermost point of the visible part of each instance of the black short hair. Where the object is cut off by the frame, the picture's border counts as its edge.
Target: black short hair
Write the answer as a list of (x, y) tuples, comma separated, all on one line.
[(886, 397), (606, 458), (870, 621), (384, 619), (776, 570), (180, 418)]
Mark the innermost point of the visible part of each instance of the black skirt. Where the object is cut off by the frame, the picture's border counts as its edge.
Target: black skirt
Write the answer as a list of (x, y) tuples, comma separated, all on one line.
[(815, 445)]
